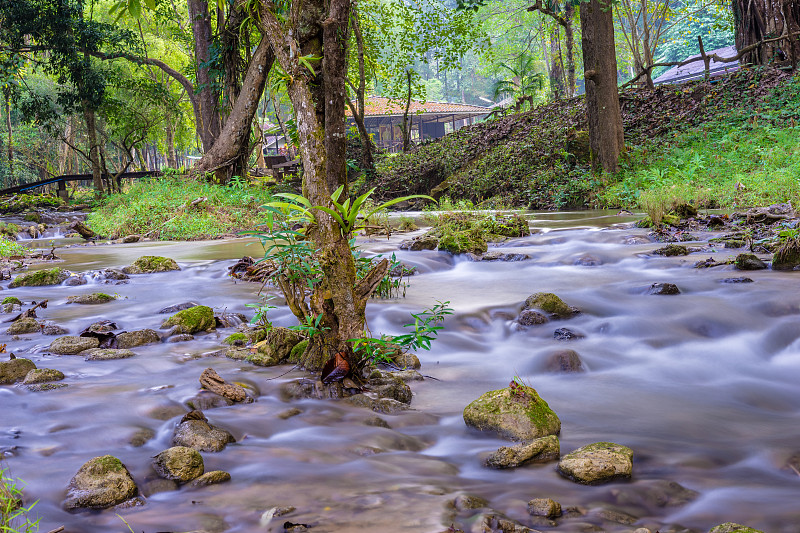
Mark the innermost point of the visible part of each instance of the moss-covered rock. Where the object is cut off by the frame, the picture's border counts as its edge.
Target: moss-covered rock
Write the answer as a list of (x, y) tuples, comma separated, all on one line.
[(11, 300), (70, 345), (211, 478), (139, 337), (23, 325), (423, 242), (274, 349), (462, 242), (516, 412), (33, 216), (749, 262), (236, 339), (43, 375), (597, 463), (100, 483), (192, 320), (787, 257), (149, 264), (105, 354), (731, 527), (672, 250), (39, 278), (506, 226), (541, 450), (179, 463), (297, 352), (90, 299), (549, 303), (197, 433), (15, 370)]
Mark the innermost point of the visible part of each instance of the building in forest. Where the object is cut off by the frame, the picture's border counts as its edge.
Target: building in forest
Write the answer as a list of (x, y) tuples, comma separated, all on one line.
[(696, 69)]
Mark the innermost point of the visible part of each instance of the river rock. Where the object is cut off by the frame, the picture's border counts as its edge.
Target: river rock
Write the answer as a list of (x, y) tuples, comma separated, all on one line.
[(672, 250), (211, 478), (177, 307), (183, 337), (497, 255), (90, 299), (157, 485), (38, 278), (192, 320), (149, 264), (516, 412), (565, 334), (787, 257), (564, 361), (103, 326), (15, 370), (388, 385), (23, 325), (213, 382), (735, 280), (132, 339), (496, 522), (50, 328), (194, 431), (131, 238), (101, 483), (597, 463), (114, 274), (225, 319), (75, 280), (549, 303), (205, 400), (529, 317), (653, 495), (407, 360), (42, 375), (544, 507), (70, 345), (12, 300), (730, 527), (179, 463), (749, 262), (105, 354), (424, 242), (276, 348), (541, 450), (663, 289), (386, 406), (468, 502)]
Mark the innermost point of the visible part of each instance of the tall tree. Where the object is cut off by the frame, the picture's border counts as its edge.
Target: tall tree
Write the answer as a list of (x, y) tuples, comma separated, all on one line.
[(606, 137), (564, 16), (757, 20)]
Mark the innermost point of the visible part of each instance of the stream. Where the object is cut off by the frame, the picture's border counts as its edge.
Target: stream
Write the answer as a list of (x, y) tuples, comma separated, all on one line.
[(703, 386)]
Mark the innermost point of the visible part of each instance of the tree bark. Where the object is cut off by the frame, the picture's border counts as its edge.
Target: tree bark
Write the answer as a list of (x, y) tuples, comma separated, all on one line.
[(406, 119), (230, 153), (565, 21), (10, 152), (207, 92), (94, 149), (755, 20), (606, 138), (172, 160), (556, 69), (335, 30), (357, 109)]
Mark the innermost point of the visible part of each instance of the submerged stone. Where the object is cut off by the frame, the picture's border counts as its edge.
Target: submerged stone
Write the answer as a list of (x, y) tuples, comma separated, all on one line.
[(211, 478), (564, 361), (663, 289), (516, 412)]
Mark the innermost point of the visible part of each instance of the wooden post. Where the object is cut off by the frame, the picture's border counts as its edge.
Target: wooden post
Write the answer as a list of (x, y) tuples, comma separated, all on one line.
[(62, 190), (706, 59)]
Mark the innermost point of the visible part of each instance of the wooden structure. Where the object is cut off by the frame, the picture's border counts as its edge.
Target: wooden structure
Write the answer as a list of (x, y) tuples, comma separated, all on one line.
[(62, 181), (697, 69), (383, 119)]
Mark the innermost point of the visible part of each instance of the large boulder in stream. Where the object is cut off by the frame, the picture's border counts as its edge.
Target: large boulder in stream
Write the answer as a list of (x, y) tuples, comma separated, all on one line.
[(148, 264), (90, 299), (179, 463), (139, 337), (541, 450), (516, 412), (24, 325), (749, 262), (39, 278), (549, 303), (192, 320), (194, 431), (15, 370), (100, 483), (731, 527), (597, 463), (71, 345)]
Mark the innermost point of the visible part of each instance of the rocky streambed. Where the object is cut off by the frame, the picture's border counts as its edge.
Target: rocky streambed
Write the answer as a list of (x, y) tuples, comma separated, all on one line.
[(670, 411)]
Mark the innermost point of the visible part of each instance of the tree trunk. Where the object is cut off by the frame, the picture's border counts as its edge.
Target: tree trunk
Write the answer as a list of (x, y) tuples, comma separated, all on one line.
[(230, 153), (755, 20), (334, 67), (172, 160), (207, 93), (367, 161), (232, 58), (406, 119), (64, 162), (569, 38), (10, 152), (556, 69), (94, 149), (606, 138)]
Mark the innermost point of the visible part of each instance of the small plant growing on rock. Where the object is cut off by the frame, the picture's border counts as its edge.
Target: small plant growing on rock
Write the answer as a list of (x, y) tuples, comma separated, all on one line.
[(13, 515)]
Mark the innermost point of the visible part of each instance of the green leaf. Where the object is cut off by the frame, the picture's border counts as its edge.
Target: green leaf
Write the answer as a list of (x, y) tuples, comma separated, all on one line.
[(151, 4), (135, 8)]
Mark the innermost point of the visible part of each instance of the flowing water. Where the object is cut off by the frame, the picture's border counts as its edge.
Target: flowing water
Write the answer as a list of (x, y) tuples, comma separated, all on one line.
[(703, 386)]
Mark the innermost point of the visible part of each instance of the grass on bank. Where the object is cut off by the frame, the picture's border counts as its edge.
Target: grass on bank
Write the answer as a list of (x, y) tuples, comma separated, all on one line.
[(9, 248), (162, 208)]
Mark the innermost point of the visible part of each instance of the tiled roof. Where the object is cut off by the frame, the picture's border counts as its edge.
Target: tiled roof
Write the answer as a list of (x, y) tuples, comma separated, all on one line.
[(697, 69), (377, 106)]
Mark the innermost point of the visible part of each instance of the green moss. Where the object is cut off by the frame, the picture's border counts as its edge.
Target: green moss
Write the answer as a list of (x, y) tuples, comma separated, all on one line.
[(731, 527), (90, 299), (518, 413), (460, 242), (108, 463), (296, 355), (236, 338), (192, 320), (505, 225), (11, 300), (52, 276), (33, 217), (149, 264), (550, 303), (787, 257)]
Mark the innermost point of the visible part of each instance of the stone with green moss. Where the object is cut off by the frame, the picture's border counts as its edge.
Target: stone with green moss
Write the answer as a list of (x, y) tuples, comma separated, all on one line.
[(462, 242), (105, 354), (749, 262), (149, 264), (731, 527), (597, 463), (23, 325), (236, 339), (11, 300), (516, 412), (71, 345), (100, 483), (10, 230), (192, 320), (15, 370), (541, 450), (211, 478), (90, 299), (33, 216), (43, 375), (787, 257), (672, 250), (179, 463), (506, 226), (139, 337), (549, 303), (275, 349), (39, 278), (296, 355)]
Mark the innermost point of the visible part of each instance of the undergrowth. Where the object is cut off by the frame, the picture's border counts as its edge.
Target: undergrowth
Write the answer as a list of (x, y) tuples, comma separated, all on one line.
[(10, 248), (162, 208)]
